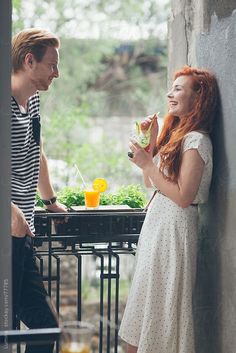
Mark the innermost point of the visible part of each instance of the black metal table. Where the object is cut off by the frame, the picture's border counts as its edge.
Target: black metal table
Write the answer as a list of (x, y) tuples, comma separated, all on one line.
[(104, 233)]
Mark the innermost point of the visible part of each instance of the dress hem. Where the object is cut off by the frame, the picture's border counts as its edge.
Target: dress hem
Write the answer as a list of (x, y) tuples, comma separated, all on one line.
[(128, 341)]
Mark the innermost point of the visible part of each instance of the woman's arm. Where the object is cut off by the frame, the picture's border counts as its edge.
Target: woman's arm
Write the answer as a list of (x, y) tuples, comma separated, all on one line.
[(154, 132), (184, 191), (146, 180)]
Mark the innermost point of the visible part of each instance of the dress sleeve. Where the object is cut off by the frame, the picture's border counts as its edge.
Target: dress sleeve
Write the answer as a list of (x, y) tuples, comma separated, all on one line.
[(200, 142)]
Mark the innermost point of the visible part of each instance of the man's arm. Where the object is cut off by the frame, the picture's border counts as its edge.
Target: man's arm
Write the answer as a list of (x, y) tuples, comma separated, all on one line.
[(45, 186)]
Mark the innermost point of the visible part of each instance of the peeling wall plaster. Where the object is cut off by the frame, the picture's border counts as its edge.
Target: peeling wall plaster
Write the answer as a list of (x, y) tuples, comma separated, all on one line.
[(203, 33)]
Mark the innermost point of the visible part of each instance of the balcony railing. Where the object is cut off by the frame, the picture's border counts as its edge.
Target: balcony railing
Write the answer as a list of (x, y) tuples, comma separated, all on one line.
[(104, 234)]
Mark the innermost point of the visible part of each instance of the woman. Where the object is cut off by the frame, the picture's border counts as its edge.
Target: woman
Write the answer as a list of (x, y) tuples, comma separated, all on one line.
[(158, 315)]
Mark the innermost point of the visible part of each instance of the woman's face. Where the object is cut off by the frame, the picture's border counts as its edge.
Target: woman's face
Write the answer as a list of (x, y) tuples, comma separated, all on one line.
[(181, 97)]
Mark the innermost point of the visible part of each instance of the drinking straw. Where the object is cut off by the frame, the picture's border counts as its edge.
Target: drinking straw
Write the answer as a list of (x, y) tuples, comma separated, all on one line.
[(78, 172)]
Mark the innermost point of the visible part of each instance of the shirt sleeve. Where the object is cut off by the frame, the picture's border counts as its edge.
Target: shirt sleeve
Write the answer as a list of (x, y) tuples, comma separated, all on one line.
[(199, 141)]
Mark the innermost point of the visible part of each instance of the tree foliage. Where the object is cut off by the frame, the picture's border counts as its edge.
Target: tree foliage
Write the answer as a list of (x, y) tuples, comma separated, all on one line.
[(101, 75), (103, 17)]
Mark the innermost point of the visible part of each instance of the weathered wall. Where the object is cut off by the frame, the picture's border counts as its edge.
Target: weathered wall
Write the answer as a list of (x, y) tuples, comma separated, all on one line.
[(203, 33), (5, 153)]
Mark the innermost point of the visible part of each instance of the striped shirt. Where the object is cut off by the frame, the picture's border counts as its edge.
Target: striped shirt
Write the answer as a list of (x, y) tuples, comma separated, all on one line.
[(25, 156)]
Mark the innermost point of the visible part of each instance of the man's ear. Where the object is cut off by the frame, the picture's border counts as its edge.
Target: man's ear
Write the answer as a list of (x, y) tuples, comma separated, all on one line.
[(29, 58)]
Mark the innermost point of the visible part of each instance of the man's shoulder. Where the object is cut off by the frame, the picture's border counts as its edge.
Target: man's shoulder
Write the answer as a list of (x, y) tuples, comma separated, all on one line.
[(34, 104), (34, 98)]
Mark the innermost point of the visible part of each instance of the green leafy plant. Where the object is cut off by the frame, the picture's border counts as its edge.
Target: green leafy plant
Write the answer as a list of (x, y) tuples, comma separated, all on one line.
[(131, 195)]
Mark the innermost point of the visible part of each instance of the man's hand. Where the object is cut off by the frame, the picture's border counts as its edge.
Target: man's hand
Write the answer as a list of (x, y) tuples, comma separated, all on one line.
[(58, 207), (19, 226)]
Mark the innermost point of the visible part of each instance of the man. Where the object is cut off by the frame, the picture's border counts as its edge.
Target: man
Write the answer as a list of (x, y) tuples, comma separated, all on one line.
[(35, 58)]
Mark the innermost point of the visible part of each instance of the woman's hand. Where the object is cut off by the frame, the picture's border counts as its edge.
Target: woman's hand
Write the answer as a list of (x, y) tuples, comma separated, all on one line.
[(154, 133), (141, 158), (145, 124)]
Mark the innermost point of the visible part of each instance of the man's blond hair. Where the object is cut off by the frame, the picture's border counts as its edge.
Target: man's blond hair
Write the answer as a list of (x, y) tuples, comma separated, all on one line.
[(34, 41)]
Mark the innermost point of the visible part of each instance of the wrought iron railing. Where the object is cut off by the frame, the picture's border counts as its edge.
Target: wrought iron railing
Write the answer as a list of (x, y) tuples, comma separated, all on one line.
[(106, 235)]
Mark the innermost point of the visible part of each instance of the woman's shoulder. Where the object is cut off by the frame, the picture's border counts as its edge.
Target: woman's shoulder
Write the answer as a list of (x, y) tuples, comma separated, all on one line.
[(198, 140), (198, 135)]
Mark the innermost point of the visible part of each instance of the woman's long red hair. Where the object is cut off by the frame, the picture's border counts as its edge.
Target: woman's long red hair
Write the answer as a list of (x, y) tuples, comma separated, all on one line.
[(201, 118)]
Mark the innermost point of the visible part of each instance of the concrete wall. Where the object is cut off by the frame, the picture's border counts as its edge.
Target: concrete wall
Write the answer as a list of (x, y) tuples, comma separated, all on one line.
[(5, 153), (203, 33)]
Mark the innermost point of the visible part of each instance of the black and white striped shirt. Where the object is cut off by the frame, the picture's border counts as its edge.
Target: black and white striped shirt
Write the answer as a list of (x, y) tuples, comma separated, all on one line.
[(25, 156)]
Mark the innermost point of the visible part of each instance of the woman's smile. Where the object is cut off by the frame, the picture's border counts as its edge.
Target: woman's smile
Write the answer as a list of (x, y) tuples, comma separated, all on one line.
[(181, 97)]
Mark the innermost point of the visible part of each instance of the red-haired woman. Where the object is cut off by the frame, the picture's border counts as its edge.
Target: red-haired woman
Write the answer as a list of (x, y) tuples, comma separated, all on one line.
[(158, 315)]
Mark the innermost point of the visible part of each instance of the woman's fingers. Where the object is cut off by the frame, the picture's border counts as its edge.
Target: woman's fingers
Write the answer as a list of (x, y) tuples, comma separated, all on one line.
[(134, 146)]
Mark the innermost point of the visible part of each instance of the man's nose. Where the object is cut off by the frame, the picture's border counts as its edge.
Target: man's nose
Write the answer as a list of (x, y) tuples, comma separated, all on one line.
[(56, 72)]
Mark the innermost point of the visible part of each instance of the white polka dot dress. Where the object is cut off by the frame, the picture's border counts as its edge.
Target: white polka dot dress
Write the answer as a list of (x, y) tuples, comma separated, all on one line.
[(158, 315)]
